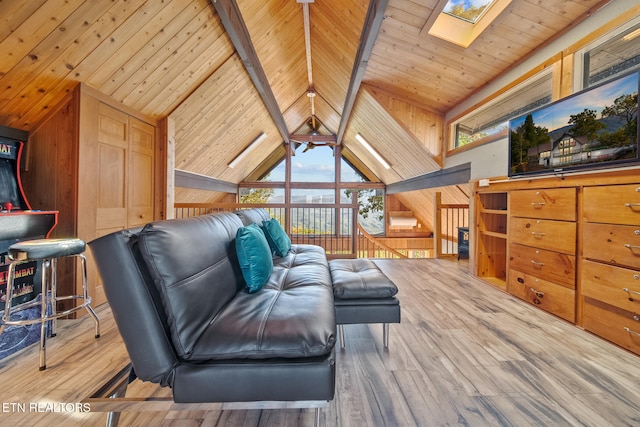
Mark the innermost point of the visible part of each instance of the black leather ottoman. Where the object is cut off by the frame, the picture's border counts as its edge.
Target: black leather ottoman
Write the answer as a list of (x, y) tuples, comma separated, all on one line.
[(362, 293)]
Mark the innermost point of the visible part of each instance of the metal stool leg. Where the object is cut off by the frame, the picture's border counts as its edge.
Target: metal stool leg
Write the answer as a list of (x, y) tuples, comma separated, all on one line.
[(85, 295), (341, 333), (53, 296), (46, 285)]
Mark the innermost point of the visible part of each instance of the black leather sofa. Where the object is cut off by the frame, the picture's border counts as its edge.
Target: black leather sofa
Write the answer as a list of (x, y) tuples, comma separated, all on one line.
[(177, 295), (362, 292)]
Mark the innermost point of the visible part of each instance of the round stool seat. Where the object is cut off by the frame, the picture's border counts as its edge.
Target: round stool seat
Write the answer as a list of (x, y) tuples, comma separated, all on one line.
[(45, 249)]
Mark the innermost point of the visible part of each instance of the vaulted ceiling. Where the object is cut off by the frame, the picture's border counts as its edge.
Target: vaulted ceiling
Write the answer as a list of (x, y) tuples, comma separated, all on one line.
[(225, 71)]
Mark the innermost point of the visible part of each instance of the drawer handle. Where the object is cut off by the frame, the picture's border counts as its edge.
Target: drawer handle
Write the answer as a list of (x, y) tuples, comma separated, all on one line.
[(541, 264), (632, 205), (538, 234), (630, 292), (632, 247), (539, 294), (631, 331), (538, 205)]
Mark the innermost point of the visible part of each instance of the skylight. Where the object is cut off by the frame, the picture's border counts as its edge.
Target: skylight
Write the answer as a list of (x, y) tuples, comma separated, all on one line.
[(467, 10), (462, 21)]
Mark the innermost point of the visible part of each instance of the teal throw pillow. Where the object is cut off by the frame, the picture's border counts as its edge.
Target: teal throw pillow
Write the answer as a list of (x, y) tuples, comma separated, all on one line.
[(277, 238), (254, 256)]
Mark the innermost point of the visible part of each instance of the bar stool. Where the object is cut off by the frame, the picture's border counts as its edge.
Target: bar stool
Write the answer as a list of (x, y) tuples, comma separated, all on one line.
[(48, 251)]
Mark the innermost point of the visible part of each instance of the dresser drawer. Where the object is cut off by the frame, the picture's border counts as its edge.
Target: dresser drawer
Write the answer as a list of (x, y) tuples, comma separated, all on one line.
[(546, 234), (616, 204), (548, 265), (555, 203), (614, 324), (548, 296), (615, 244), (614, 285)]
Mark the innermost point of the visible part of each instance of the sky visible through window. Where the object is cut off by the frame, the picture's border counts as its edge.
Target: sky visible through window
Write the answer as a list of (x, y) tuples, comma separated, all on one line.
[(469, 10), (316, 165)]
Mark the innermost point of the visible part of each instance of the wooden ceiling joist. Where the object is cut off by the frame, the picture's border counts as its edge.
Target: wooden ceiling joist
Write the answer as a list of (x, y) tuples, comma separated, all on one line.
[(233, 22), (370, 30)]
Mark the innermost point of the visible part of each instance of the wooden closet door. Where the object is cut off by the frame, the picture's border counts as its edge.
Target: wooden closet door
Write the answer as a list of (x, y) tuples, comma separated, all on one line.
[(113, 144), (140, 173)]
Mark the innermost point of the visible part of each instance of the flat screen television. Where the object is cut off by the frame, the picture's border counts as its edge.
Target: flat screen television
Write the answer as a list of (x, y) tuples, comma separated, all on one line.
[(594, 128)]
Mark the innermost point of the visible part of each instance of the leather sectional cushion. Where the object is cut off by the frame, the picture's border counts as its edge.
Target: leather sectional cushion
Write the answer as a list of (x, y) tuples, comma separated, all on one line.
[(260, 326), (360, 278), (193, 265)]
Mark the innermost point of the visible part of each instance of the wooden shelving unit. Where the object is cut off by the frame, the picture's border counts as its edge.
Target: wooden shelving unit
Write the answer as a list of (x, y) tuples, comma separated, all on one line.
[(492, 215)]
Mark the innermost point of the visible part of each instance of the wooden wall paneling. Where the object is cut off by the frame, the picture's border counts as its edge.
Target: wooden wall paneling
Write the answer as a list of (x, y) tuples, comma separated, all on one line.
[(426, 126), (330, 117), (150, 22), (296, 114), (36, 27), (193, 63), (42, 67), (152, 45), (334, 47), (16, 13), (407, 156), (284, 63)]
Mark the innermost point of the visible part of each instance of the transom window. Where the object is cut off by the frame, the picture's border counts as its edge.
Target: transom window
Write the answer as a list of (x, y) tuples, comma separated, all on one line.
[(491, 121), (616, 54)]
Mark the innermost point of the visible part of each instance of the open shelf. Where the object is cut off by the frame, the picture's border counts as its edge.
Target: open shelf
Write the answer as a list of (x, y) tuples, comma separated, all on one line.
[(491, 219)]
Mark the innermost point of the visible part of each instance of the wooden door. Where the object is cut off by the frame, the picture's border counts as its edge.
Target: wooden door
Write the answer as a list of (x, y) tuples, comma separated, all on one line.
[(140, 173)]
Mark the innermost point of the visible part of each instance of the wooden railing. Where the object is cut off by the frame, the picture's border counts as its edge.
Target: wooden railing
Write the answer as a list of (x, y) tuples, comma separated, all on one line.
[(334, 227), (316, 224), (447, 219)]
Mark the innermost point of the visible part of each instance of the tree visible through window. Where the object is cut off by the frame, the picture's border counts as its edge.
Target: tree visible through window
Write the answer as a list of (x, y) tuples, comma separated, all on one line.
[(469, 10)]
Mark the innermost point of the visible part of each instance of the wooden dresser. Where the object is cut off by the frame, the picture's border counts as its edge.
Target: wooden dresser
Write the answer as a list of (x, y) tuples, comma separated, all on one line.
[(610, 263), (542, 249), (572, 248)]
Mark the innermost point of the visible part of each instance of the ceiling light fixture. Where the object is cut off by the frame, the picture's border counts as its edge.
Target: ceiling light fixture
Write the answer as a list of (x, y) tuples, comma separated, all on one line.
[(247, 150), (373, 152)]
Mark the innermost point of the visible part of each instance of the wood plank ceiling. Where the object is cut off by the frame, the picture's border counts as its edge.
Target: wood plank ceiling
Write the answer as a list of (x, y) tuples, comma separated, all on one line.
[(174, 58)]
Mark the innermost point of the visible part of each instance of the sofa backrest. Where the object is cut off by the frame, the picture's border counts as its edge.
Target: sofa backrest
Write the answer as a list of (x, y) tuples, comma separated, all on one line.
[(253, 216), (166, 282), (193, 265)]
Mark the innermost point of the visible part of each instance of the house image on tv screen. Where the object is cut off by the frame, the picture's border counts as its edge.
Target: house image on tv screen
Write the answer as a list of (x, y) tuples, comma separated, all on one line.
[(569, 150), (593, 128)]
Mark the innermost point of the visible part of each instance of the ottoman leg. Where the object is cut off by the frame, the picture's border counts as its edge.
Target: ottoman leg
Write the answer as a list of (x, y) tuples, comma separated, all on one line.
[(341, 333), (385, 334)]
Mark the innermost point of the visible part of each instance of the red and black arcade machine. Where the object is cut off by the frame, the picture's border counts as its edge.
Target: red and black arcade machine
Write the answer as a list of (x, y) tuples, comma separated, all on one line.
[(17, 221)]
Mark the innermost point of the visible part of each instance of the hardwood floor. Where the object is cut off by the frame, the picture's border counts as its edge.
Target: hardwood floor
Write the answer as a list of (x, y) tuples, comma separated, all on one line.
[(464, 354)]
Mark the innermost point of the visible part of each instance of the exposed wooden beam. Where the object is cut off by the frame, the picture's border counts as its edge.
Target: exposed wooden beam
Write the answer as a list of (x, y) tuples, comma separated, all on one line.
[(201, 182), (370, 30), (232, 21), (313, 138), (451, 176)]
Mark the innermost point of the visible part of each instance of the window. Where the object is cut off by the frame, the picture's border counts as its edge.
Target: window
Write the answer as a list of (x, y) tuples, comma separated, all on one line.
[(613, 55), (491, 121), (261, 195), (315, 164), (470, 11), (462, 21)]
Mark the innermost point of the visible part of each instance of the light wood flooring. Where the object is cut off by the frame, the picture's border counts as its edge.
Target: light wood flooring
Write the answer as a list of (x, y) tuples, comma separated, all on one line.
[(465, 354)]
